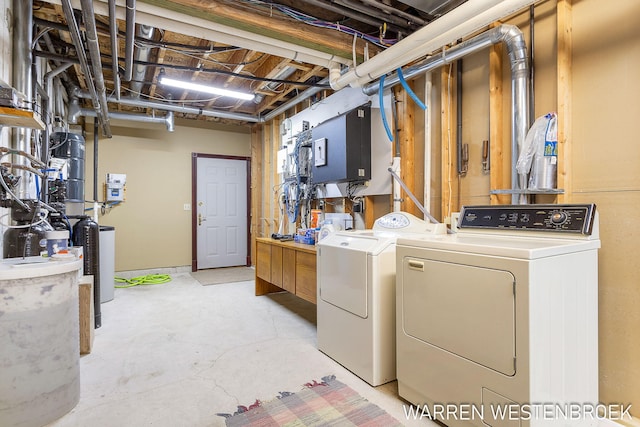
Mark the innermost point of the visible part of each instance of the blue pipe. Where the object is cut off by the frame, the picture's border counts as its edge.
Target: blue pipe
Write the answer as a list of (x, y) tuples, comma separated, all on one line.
[(383, 115), (411, 93)]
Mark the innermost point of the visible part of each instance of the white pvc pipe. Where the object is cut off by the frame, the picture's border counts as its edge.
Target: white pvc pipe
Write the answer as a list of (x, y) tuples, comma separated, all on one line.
[(397, 194), (460, 22), (428, 86)]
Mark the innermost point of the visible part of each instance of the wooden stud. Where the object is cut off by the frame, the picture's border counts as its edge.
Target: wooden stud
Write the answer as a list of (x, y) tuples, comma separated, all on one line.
[(406, 135), (499, 176), (275, 181), (256, 188), (564, 84), (448, 129)]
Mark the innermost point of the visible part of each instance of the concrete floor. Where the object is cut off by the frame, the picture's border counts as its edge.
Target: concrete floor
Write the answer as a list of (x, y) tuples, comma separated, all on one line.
[(179, 353)]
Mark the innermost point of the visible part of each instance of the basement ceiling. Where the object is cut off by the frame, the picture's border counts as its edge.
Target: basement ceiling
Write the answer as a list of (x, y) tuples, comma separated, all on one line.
[(273, 49)]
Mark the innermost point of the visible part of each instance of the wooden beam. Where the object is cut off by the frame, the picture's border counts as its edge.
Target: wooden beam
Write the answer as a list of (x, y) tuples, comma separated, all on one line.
[(499, 176), (274, 25), (565, 86)]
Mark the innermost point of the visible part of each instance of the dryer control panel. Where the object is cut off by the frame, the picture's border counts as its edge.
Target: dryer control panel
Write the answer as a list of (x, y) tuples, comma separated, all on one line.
[(555, 218)]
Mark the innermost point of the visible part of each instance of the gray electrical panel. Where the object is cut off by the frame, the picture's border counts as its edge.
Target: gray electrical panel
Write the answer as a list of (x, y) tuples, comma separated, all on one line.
[(341, 147)]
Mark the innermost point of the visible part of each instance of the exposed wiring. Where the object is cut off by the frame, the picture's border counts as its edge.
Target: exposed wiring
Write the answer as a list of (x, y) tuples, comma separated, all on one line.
[(31, 224), (149, 279), (411, 93), (313, 21)]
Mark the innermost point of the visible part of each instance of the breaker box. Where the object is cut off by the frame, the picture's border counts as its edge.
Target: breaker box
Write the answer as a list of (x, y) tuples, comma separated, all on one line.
[(341, 147)]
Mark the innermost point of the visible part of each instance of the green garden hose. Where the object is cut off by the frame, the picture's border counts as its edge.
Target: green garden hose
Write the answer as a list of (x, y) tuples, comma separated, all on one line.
[(149, 279)]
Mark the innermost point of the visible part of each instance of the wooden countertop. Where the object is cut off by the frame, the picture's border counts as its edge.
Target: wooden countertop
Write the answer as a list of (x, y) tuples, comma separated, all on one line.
[(288, 244)]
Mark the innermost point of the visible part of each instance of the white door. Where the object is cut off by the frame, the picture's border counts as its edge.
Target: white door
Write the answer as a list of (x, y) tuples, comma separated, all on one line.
[(221, 212)]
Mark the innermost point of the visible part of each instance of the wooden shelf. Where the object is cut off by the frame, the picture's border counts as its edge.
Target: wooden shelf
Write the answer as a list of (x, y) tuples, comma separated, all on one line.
[(14, 117)]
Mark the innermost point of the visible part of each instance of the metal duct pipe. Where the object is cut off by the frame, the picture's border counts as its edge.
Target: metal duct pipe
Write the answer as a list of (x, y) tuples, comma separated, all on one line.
[(113, 32), (74, 32), (295, 101), (164, 106), (49, 86), (460, 22), (129, 40), (141, 54), (22, 82), (167, 120), (96, 62), (517, 50), (49, 83)]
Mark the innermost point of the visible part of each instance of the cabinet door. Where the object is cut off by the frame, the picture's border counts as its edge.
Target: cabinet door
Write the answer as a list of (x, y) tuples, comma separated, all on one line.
[(289, 270), (276, 265), (306, 276), (263, 261)]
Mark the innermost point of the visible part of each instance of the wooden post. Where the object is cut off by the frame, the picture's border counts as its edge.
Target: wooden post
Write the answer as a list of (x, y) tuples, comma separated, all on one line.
[(499, 176), (565, 46), (275, 178), (408, 162), (256, 186), (448, 139)]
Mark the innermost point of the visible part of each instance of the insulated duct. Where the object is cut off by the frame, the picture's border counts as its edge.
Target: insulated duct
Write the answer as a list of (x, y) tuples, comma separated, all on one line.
[(513, 38)]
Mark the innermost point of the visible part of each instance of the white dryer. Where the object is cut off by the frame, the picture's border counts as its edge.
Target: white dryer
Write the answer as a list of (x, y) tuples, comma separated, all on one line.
[(502, 315), (356, 295)]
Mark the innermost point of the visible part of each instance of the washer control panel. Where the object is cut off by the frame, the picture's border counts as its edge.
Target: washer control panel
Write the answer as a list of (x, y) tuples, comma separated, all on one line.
[(400, 221), (557, 218)]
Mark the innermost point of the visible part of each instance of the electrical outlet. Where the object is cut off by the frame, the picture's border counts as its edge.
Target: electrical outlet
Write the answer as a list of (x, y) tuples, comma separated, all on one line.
[(187, 206)]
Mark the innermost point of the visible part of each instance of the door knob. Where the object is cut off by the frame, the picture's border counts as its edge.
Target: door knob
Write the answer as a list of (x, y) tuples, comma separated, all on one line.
[(200, 219)]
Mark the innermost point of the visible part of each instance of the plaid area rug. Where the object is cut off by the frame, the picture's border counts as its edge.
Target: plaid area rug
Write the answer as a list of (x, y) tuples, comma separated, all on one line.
[(326, 403)]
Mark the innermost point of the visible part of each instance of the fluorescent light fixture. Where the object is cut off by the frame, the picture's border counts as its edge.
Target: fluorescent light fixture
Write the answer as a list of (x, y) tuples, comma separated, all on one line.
[(207, 89)]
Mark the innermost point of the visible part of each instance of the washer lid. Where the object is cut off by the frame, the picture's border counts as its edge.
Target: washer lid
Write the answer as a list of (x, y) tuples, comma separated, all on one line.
[(364, 241), (505, 246)]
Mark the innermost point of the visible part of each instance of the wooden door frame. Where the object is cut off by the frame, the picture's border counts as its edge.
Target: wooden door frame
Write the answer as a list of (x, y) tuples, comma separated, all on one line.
[(194, 203)]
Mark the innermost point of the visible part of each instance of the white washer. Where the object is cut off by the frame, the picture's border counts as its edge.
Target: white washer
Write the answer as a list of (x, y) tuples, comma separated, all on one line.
[(356, 295), (504, 314)]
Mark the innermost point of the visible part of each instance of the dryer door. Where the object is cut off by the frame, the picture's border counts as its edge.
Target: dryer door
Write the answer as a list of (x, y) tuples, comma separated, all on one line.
[(461, 309)]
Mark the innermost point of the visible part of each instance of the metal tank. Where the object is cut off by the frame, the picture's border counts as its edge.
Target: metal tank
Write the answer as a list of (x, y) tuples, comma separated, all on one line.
[(71, 146)]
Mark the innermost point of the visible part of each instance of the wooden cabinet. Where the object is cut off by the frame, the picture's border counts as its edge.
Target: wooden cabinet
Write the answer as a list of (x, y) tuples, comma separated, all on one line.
[(291, 267), (263, 261), (306, 276), (289, 270)]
